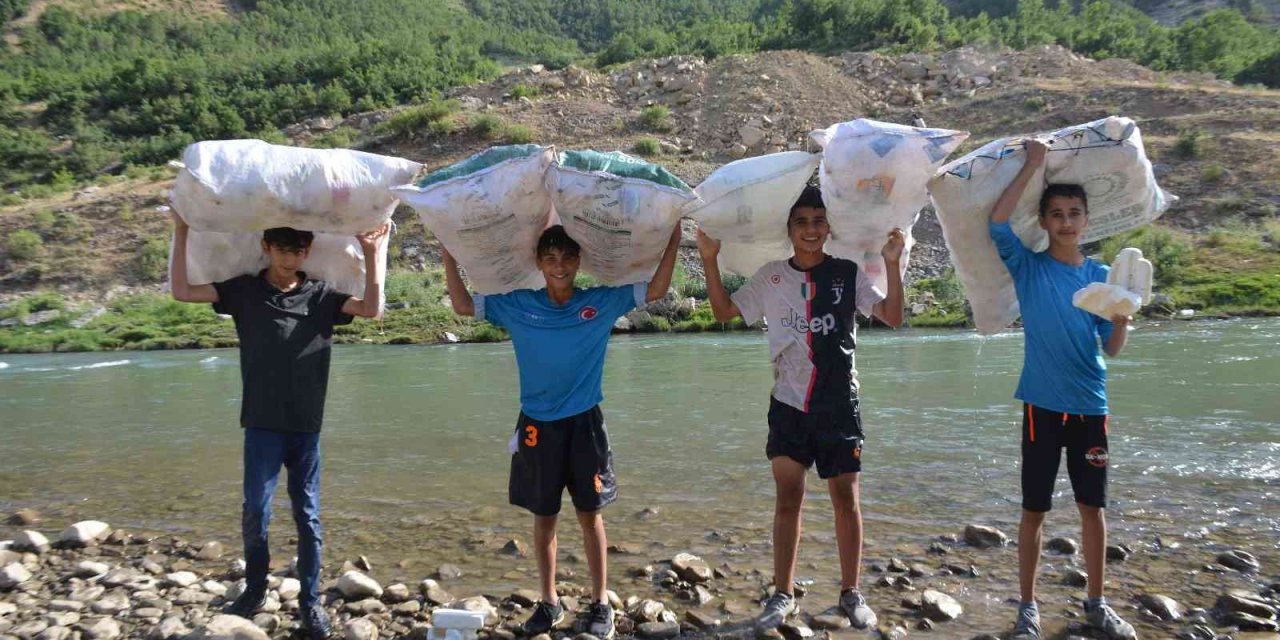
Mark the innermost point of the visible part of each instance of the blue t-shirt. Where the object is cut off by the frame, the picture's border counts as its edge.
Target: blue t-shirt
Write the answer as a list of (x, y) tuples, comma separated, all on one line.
[(1062, 367), (560, 349)]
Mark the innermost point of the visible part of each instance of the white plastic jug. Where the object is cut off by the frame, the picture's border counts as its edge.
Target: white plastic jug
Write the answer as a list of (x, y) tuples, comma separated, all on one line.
[(1127, 288), (1133, 272), (455, 624)]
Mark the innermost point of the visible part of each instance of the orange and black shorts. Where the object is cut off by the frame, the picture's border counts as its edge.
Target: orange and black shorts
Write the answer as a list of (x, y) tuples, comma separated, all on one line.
[(1045, 433), (552, 455)]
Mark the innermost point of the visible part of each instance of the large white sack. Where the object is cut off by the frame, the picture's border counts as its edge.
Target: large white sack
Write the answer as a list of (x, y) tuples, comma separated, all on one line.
[(745, 205), (874, 176), (489, 211), (1105, 156), (248, 185), (622, 211), (213, 256)]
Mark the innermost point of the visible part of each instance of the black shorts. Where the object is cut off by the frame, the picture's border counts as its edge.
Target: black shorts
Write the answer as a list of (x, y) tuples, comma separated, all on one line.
[(1044, 434), (831, 439), (571, 452)]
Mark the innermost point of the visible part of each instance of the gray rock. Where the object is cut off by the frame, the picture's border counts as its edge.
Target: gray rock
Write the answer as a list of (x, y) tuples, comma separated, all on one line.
[(227, 627), (1162, 606), (29, 629), (85, 533), (1244, 602), (362, 629), (1064, 546), (434, 593), (29, 540), (480, 604), (148, 613), (794, 629), (90, 569), (62, 618), (939, 607), (211, 550), (267, 622), (1075, 578), (12, 575), (396, 593), (23, 518), (357, 586), (691, 568), (182, 578), (214, 587), (112, 603), (65, 605), (289, 589), (525, 597), (187, 597), (365, 607), (1247, 622), (984, 537), (448, 572), (121, 577), (407, 608), (515, 548), (41, 317), (1241, 561), (100, 629), (702, 620), (646, 611), (658, 630), (56, 632)]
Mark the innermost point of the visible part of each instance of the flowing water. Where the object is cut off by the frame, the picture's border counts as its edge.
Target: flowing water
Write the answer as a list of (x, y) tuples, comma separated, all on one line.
[(415, 458)]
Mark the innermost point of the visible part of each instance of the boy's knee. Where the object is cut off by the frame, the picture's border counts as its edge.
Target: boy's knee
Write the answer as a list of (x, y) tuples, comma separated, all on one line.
[(1033, 518), (1089, 511)]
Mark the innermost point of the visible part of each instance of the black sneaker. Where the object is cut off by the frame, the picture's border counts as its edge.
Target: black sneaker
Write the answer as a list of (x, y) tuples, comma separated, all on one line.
[(315, 623), (600, 621), (247, 604), (545, 618)]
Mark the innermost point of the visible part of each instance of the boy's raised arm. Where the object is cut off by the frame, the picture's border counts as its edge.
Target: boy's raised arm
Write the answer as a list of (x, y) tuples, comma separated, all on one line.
[(180, 287), (662, 277), (722, 305), (367, 307), (459, 297), (1008, 201), (889, 310)]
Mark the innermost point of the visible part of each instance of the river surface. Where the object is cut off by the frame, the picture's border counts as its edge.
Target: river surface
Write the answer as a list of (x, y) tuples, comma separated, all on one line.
[(415, 458)]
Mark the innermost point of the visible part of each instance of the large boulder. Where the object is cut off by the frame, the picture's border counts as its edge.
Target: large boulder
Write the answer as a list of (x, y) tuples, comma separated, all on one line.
[(226, 627)]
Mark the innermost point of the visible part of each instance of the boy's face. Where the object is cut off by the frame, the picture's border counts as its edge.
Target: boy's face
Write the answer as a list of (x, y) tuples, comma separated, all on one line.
[(1065, 218), (285, 260), (808, 229), (558, 268)]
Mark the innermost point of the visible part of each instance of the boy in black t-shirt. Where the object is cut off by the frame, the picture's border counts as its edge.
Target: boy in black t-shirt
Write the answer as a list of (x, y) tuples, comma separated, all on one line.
[(285, 323)]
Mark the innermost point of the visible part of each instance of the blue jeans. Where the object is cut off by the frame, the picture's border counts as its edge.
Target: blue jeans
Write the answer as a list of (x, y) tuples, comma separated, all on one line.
[(264, 453)]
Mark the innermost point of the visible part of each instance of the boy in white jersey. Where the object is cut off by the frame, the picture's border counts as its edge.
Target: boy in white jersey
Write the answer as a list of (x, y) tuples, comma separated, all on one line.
[(810, 302)]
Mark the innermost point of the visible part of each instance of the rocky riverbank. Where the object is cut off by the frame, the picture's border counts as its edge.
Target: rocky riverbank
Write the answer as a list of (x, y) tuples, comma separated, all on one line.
[(93, 582)]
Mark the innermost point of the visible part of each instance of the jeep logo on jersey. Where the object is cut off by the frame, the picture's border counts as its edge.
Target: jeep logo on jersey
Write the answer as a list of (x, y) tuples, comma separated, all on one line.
[(822, 324), (1097, 456), (587, 313)]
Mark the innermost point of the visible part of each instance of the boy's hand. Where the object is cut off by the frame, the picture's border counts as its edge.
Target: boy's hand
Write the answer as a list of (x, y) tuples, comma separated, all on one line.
[(1036, 152), (1121, 320), (708, 247), (892, 251), (369, 239)]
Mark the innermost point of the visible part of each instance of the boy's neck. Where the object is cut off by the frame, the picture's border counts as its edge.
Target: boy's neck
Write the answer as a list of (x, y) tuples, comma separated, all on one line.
[(559, 295), (805, 260), (284, 281), (1066, 253)]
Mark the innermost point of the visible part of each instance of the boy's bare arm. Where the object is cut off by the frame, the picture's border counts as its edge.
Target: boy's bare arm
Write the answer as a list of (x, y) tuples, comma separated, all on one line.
[(1008, 201), (889, 310), (459, 297), (662, 277), (367, 307), (1119, 336), (722, 306), (179, 286)]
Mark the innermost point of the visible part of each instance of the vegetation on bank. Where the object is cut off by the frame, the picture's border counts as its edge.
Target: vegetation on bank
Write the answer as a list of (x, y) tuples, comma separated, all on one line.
[(86, 95)]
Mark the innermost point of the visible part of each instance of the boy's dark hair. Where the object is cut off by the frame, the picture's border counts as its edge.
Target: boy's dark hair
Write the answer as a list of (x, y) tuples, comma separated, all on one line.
[(288, 238), (1063, 191), (556, 238), (810, 197)]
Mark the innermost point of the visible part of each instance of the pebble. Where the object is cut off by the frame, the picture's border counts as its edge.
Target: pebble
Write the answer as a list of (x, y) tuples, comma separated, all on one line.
[(182, 578), (702, 620), (12, 575), (85, 533), (100, 629), (211, 550), (361, 629), (1238, 560), (355, 586), (169, 628), (55, 633), (448, 572), (658, 630), (691, 568), (396, 593), (434, 593), (32, 541), (1064, 546), (939, 607), (984, 537), (23, 518), (1075, 578), (1162, 606)]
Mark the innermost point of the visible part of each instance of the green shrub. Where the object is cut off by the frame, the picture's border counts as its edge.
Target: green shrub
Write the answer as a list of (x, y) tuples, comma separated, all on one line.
[(443, 127), (25, 244), (1035, 103), (520, 134), (487, 126), (10, 199), (486, 333), (408, 122), (153, 259), (1188, 144), (70, 228), (340, 138), (655, 118), (732, 282), (647, 147), (585, 281), (523, 91), (1212, 172), (413, 288), (44, 220)]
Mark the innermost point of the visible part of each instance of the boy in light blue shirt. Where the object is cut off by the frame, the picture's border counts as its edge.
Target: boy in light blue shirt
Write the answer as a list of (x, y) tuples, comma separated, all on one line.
[(560, 335), (1063, 386)]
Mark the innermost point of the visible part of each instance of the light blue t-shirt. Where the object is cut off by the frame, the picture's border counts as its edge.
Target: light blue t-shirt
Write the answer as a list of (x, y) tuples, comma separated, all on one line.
[(1062, 367), (560, 349)]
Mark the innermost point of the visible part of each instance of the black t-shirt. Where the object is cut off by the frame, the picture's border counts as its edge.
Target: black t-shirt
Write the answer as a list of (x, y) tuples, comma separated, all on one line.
[(285, 341)]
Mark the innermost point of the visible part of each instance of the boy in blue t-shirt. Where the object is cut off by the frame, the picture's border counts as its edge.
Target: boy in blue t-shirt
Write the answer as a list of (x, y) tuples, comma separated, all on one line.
[(560, 334), (1063, 385)]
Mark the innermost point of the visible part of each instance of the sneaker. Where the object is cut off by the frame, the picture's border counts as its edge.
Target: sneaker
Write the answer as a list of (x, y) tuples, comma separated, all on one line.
[(1106, 620), (854, 605), (1028, 625), (600, 620), (315, 623), (247, 604), (545, 618), (776, 609)]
